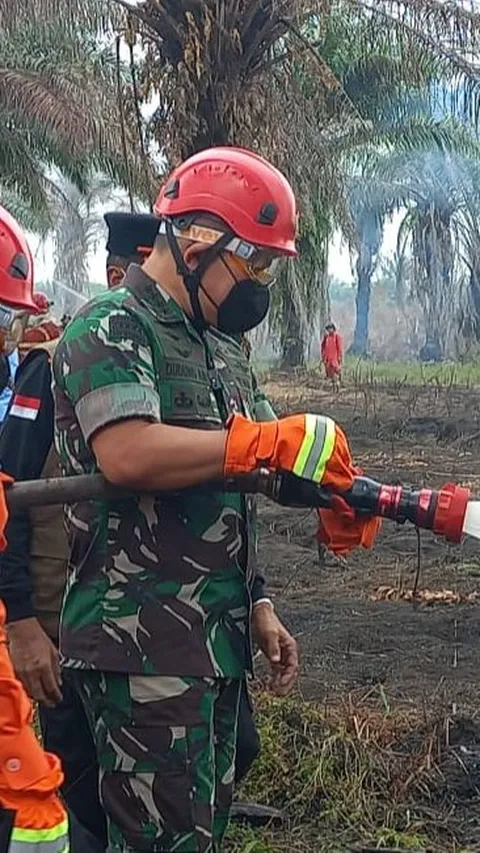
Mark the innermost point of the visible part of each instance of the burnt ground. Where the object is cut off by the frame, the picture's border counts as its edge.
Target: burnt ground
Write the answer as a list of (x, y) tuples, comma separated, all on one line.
[(422, 656), (393, 656)]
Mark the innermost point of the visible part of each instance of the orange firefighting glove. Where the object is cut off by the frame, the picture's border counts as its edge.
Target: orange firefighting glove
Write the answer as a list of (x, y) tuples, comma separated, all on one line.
[(310, 446), (342, 530)]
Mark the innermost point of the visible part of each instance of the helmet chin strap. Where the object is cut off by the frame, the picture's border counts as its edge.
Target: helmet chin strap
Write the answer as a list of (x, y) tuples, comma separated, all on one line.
[(193, 278)]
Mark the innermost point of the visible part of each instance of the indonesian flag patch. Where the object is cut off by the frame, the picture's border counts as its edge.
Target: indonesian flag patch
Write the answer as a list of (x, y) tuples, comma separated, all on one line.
[(25, 407)]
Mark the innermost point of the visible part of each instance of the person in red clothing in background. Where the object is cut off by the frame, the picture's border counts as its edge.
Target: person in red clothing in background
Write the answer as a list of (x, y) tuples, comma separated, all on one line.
[(331, 351)]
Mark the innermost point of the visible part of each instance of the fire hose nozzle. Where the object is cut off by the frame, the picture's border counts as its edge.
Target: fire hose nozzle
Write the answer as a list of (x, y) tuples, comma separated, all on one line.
[(442, 511), (449, 517)]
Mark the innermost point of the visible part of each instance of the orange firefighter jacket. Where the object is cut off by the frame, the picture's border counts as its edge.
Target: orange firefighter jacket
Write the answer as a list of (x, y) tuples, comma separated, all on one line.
[(331, 350), (29, 777)]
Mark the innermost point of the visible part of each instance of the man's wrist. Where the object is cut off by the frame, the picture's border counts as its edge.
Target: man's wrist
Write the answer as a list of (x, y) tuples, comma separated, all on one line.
[(259, 588), (18, 625), (266, 601), (19, 608)]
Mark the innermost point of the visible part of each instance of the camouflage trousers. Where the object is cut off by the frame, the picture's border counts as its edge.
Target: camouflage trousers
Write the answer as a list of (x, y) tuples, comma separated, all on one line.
[(166, 753)]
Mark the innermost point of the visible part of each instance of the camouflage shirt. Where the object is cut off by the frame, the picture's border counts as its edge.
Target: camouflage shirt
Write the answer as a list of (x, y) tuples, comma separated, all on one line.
[(158, 584)]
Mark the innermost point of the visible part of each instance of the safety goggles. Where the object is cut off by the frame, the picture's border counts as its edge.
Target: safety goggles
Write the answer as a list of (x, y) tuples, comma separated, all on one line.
[(252, 261), (263, 270)]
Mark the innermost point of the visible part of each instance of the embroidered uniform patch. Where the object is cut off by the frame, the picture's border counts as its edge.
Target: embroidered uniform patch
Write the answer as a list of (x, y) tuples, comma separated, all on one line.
[(25, 407)]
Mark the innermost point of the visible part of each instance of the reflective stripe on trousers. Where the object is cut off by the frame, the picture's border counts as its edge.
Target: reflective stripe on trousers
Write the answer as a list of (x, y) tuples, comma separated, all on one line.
[(54, 840)]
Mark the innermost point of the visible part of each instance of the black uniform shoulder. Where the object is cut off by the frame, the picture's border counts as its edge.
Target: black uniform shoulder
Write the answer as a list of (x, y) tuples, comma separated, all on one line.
[(27, 431), (37, 366)]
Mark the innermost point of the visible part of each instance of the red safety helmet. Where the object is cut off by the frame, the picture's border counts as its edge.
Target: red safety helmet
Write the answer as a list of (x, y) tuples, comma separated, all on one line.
[(249, 194), (16, 265), (42, 302)]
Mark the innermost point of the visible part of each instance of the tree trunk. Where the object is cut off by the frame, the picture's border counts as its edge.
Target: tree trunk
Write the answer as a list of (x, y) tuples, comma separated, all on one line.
[(320, 314), (433, 346), (474, 287), (293, 347), (434, 257), (324, 304), (369, 229), (362, 300)]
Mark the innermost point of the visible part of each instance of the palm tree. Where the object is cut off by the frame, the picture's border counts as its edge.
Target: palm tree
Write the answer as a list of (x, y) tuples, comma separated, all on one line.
[(439, 196), (225, 69), (300, 303), (78, 228), (379, 184), (303, 86), (436, 190), (368, 224), (60, 94), (470, 309)]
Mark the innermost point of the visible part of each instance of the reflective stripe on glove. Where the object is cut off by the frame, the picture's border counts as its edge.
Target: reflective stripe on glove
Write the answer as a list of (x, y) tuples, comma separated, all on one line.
[(310, 446), (342, 530)]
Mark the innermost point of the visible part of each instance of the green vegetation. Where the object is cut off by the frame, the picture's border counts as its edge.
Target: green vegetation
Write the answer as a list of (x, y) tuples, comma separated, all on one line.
[(362, 371), (361, 773), (59, 95), (445, 375)]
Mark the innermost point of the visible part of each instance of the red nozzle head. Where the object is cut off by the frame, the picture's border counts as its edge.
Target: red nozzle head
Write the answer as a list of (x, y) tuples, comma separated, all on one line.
[(450, 512)]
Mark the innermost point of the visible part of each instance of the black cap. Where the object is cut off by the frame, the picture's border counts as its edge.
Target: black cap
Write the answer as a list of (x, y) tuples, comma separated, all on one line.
[(131, 233)]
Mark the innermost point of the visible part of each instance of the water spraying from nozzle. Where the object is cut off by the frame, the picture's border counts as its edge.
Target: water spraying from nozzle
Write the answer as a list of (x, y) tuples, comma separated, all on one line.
[(471, 523)]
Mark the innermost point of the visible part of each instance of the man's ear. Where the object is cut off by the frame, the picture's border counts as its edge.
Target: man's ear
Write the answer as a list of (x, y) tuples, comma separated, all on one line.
[(193, 252), (115, 276)]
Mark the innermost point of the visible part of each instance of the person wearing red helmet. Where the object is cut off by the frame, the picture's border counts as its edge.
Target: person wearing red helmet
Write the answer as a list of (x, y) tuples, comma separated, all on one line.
[(130, 240), (41, 328), (32, 816), (248, 225), (162, 605), (16, 300), (16, 267)]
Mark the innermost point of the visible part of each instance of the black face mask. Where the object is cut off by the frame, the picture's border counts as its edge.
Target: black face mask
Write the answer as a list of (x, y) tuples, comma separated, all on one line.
[(244, 308)]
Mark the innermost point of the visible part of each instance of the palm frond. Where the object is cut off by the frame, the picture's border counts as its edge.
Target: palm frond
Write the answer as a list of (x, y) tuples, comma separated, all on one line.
[(343, 95), (94, 16), (22, 173), (33, 219), (59, 102)]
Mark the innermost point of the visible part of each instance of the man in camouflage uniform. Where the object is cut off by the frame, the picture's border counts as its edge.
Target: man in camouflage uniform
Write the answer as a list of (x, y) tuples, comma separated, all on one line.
[(129, 237), (161, 604)]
